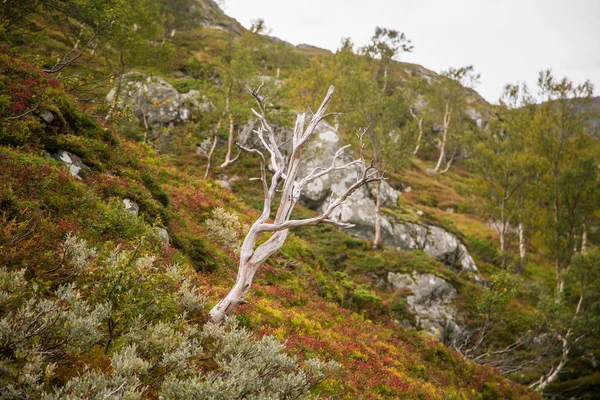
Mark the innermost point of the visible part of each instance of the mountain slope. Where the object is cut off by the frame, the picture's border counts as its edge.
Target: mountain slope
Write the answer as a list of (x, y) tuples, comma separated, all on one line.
[(43, 202)]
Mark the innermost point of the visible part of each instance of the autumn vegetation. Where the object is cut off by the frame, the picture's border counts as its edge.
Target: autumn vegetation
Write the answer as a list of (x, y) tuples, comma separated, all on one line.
[(94, 303)]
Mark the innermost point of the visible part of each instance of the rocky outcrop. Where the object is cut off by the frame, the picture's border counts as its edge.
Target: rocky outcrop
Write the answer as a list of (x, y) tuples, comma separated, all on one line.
[(430, 301), (155, 100), (72, 161), (359, 208)]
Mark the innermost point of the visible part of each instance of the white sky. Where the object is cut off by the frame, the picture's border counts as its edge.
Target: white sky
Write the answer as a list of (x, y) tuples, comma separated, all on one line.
[(505, 40)]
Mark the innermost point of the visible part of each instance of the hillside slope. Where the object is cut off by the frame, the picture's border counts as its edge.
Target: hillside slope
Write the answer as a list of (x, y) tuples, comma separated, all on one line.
[(123, 175), (43, 202)]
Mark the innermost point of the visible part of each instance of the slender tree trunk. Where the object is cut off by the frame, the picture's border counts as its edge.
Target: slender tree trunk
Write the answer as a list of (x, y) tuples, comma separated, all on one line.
[(584, 240), (420, 122), (385, 78), (558, 266), (444, 138), (522, 248), (442, 153), (502, 226), (448, 165), (212, 149), (145, 126), (377, 239), (228, 159)]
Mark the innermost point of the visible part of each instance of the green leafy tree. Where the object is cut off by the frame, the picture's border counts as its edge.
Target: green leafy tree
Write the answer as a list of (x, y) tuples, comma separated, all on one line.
[(372, 103), (560, 140), (504, 164)]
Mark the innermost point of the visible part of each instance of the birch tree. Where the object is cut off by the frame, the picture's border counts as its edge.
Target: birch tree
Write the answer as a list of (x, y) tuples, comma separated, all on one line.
[(504, 164), (449, 103), (418, 107), (560, 139), (236, 68), (285, 173)]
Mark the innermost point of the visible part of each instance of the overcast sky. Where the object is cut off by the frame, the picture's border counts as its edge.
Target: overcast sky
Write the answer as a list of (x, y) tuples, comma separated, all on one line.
[(505, 40)]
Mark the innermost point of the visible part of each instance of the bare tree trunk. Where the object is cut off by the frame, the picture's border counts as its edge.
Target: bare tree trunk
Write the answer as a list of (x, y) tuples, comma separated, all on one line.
[(252, 258), (448, 165), (560, 284), (444, 138), (558, 266), (502, 226), (228, 159), (584, 240), (385, 78), (145, 126), (420, 123), (377, 239), (212, 149), (522, 248)]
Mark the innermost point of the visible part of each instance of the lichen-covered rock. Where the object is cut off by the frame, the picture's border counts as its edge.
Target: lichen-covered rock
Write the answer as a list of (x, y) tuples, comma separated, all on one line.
[(72, 161), (155, 100), (430, 301)]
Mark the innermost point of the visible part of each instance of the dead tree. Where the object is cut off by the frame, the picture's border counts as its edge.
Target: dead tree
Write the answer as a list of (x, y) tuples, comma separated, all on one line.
[(285, 174)]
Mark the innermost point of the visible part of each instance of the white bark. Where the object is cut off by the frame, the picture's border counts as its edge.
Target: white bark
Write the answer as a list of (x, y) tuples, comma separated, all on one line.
[(584, 240), (241, 142), (420, 137), (211, 151), (522, 248), (285, 171), (447, 115), (377, 238), (230, 138), (448, 165), (567, 344)]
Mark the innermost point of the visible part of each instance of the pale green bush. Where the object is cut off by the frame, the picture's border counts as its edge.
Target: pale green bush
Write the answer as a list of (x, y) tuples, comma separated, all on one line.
[(223, 227), (159, 349)]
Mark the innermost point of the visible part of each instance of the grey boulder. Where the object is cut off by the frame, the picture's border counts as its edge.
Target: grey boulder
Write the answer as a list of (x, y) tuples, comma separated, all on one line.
[(430, 301)]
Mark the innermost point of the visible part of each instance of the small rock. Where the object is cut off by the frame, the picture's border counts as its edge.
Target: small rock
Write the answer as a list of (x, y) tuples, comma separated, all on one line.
[(420, 213), (72, 161), (407, 189), (224, 184), (47, 116), (450, 210), (131, 206), (162, 234)]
